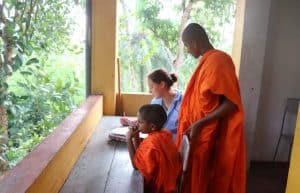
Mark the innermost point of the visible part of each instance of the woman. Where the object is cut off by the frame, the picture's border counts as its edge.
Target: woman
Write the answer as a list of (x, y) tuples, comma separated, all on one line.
[(160, 84)]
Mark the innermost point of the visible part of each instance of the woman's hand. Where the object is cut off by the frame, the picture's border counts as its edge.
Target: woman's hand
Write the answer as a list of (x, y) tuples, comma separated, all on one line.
[(127, 122), (133, 124), (124, 121)]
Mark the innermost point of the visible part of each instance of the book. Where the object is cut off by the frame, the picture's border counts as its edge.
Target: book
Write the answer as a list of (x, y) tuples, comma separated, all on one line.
[(119, 134)]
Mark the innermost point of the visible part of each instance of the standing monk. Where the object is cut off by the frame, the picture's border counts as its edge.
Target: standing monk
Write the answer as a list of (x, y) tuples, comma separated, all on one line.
[(212, 115)]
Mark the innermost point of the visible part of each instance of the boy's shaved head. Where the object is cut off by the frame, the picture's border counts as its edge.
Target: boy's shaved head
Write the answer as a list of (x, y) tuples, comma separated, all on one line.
[(153, 113)]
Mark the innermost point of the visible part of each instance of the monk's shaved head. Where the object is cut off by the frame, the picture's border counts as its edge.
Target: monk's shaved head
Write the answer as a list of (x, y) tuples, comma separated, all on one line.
[(194, 32), (196, 40)]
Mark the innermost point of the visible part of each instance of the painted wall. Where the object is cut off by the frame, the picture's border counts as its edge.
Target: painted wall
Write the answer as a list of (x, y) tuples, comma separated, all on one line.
[(293, 185), (131, 102), (280, 78)]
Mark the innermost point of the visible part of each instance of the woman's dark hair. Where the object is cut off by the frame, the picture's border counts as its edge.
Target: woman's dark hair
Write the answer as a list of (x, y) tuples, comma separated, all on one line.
[(159, 75), (153, 113)]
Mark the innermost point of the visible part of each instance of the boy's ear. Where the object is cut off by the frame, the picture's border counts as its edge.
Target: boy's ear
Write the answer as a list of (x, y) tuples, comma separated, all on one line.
[(153, 127)]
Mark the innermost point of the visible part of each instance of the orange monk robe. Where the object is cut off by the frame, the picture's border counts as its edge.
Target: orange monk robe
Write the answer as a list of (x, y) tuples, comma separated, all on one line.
[(159, 162), (217, 161)]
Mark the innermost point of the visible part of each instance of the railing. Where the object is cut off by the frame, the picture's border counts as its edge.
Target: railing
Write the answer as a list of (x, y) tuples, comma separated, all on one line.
[(46, 168)]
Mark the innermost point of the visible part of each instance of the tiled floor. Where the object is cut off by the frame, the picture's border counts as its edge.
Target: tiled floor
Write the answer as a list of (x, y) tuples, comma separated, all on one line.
[(267, 177)]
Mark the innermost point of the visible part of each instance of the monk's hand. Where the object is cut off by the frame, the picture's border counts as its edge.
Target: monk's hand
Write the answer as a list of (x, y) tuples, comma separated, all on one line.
[(133, 132), (193, 130)]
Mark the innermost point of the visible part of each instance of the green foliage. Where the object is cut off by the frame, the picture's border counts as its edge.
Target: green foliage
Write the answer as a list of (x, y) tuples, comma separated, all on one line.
[(139, 56), (39, 94), (137, 51), (149, 35), (15, 154), (30, 27), (42, 103), (215, 16), (165, 29), (186, 71)]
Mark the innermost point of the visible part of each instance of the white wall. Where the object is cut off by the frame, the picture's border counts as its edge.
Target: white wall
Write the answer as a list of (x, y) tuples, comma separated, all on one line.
[(281, 77)]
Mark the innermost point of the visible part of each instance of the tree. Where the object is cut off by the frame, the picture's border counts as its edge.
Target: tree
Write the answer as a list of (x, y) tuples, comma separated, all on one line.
[(150, 35), (137, 50), (212, 13), (29, 29), (3, 162)]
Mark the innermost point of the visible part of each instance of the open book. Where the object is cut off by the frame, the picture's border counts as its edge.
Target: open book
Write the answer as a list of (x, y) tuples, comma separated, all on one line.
[(119, 134)]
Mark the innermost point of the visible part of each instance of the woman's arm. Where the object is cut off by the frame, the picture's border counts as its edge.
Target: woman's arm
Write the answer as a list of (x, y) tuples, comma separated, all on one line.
[(225, 107), (127, 122)]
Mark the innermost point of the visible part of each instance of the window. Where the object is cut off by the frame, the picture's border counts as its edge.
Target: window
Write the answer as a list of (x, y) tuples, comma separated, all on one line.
[(149, 37), (44, 78)]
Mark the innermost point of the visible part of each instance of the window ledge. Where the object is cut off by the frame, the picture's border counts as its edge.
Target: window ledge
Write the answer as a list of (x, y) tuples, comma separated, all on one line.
[(52, 160)]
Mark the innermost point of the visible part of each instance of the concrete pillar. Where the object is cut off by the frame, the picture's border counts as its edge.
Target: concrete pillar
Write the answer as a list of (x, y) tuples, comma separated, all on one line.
[(251, 59)]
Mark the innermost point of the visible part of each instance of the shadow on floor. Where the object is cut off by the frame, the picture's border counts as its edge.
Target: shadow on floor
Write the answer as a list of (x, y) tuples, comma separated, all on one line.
[(267, 177)]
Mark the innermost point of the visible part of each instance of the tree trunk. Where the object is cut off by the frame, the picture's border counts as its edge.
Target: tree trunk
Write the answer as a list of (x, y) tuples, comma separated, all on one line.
[(3, 161), (184, 19), (3, 139), (3, 122), (167, 49), (142, 75)]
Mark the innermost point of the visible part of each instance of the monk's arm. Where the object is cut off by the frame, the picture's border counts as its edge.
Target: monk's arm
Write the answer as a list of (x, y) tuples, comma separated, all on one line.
[(224, 108)]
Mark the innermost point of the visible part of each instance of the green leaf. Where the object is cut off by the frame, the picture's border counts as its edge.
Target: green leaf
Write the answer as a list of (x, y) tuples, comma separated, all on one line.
[(32, 60), (44, 90), (28, 49), (4, 85), (20, 5), (22, 84), (20, 45), (26, 73), (18, 62), (24, 97)]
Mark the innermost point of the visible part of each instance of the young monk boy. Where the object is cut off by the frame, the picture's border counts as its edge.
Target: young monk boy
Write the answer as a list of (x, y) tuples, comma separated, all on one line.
[(155, 157)]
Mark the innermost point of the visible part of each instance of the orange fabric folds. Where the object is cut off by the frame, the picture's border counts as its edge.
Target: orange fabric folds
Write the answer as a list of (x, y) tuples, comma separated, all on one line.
[(159, 162), (217, 159)]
